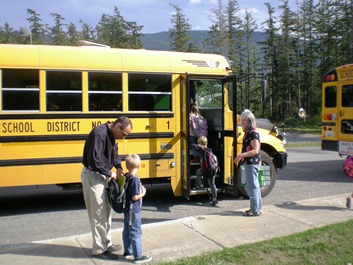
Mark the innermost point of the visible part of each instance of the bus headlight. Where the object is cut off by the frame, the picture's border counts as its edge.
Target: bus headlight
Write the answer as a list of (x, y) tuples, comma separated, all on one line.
[(173, 164)]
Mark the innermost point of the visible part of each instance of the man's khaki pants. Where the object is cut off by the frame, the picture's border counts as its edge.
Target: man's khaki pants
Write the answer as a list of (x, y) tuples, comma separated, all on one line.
[(98, 208)]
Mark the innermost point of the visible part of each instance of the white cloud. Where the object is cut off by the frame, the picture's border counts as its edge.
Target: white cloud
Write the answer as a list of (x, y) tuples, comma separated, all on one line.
[(192, 2)]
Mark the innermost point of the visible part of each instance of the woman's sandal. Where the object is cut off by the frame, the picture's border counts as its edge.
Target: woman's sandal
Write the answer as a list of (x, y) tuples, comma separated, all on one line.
[(349, 202), (250, 213)]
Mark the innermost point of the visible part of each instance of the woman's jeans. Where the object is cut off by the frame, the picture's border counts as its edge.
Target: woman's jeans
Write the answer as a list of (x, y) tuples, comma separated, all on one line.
[(253, 186), (132, 234)]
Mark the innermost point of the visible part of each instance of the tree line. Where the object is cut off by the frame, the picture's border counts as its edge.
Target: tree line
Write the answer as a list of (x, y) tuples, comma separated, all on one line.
[(299, 47)]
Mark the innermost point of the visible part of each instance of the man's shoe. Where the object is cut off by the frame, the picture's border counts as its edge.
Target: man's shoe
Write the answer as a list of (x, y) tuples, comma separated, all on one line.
[(143, 259), (106, 256), (114, 248)]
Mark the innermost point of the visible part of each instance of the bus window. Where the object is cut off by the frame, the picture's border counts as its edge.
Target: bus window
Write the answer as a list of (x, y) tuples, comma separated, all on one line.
[(64, 91), (20, 84), (150, 92), (105, 91), (347, 96), (347, 126), (209, 94), (330, 96)]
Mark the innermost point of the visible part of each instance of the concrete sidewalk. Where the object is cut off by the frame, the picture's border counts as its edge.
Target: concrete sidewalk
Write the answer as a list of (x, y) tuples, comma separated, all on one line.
[(167, 241)]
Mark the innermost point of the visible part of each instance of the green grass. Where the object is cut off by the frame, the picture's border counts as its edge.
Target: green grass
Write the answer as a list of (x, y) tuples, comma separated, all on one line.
[(309, 125), (327, 245)]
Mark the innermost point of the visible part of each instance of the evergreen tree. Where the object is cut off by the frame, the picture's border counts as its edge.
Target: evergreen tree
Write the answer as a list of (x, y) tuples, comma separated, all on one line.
[(134, 33), (270, 61), (38, 29), (178, 34), (111, 30), (6, 34), (250, 67), (57, 31), (343, 24), (286, 60), (87, 32), (118, 33), (307, 48), (218, 31), (234, 28), (326, 34), (73, 36)]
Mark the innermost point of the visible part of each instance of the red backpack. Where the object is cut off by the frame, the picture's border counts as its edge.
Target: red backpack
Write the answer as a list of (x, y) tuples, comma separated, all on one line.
[(348, 166), (209, 164)]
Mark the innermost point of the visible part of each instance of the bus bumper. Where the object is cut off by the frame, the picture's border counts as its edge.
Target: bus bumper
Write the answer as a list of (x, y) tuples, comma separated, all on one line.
[(280, 160), (329, 145)]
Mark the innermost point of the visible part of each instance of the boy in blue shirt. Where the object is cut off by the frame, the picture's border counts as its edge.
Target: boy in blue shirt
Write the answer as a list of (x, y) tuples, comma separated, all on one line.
[(132, 231)]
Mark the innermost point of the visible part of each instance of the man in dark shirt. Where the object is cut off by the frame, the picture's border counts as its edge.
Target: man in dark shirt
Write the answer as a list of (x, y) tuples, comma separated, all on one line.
[(100, 155)]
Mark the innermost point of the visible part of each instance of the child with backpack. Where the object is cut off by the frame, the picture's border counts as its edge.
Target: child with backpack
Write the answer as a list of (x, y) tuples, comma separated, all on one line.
[(208, 169), (132, 217)]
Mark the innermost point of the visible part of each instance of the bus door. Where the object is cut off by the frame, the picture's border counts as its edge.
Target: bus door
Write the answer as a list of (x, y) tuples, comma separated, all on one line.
[(230, 122), (345, 118), (212, 99), (184, 138)]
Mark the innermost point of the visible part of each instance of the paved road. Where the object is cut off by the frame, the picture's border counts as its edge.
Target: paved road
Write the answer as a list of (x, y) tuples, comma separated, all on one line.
[(302, 137), (31, 213)]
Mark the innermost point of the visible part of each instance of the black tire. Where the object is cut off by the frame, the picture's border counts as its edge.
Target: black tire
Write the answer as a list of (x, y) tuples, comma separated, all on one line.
[(265, 190)]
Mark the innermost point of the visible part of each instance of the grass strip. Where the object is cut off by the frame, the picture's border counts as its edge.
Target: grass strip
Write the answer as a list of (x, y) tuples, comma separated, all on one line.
[(331, 244)]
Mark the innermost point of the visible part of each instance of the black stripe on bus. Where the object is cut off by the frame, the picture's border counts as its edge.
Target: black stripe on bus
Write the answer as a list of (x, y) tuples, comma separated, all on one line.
[(78, 137), (108, 116), (71, 160), (228, 133)]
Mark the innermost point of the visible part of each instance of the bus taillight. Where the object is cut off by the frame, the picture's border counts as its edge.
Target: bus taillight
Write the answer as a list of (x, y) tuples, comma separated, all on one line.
[(330, 117), (330, 77)]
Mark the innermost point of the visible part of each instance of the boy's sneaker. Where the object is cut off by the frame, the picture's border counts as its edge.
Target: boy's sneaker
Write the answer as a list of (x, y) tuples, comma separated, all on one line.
[(349, 202), (214, 202), (128, 256), (143, 259)]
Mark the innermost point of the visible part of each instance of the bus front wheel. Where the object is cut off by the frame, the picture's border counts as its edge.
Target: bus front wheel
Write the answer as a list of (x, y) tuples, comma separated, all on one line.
[(265, 190)]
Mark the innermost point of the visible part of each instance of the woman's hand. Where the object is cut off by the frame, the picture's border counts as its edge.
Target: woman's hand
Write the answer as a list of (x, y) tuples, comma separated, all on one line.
[(239, 158)]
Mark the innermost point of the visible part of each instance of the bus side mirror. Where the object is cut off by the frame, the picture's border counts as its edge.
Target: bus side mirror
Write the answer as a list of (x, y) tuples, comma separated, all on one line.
[(263, 90)]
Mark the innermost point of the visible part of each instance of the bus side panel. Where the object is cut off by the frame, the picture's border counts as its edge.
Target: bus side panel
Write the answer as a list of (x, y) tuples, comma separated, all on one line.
[(40, 175)]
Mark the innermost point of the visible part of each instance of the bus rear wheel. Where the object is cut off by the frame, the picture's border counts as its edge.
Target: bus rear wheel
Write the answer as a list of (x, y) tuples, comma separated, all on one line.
[(265, 190)]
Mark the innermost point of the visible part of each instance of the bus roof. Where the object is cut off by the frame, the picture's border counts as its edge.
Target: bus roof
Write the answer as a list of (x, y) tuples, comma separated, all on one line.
[(110, 59)]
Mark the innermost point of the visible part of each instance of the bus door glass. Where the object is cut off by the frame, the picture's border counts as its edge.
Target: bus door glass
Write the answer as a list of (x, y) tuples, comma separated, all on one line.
[(345, 114)]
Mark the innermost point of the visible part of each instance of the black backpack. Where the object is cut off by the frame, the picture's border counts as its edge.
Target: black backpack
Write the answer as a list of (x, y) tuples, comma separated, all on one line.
[(117, 196)]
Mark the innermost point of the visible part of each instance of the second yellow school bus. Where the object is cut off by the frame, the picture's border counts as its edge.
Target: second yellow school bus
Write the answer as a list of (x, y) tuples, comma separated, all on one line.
[(337, 110), (52, 96)]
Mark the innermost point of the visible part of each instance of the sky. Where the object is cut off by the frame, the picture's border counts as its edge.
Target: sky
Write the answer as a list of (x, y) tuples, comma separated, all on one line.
[(154, 15)]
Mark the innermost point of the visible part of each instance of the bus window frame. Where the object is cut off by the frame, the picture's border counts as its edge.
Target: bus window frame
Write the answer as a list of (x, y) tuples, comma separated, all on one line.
[(63, 92)]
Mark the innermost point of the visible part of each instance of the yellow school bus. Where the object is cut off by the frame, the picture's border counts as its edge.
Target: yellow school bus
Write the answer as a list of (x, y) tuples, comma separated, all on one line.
[(337, 110), (52, 96)]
